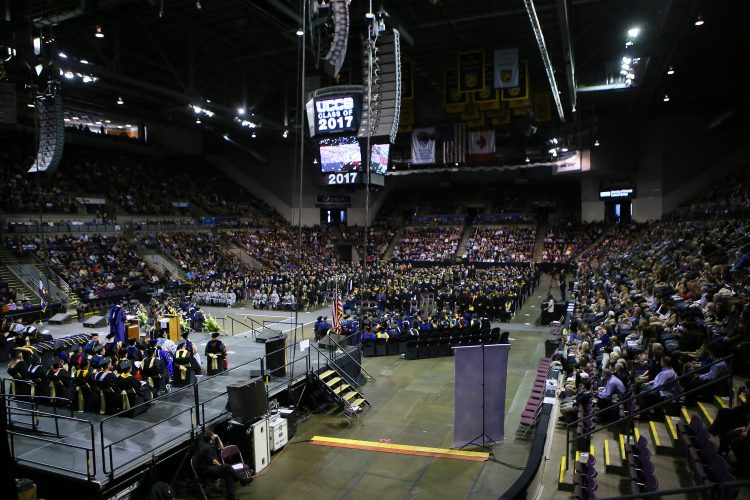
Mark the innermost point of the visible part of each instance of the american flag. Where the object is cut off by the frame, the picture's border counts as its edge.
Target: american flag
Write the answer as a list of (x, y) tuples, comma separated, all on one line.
[(337, 312), (454, 143)]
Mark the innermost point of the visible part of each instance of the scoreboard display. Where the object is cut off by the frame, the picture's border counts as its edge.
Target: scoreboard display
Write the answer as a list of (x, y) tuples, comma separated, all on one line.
[(334, 115)]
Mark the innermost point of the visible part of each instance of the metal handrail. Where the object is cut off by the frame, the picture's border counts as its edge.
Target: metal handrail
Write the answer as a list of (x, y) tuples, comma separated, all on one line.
[(681, 491), (653, 389), (632, 415), (349, 379), (350, 356), (90, 452)]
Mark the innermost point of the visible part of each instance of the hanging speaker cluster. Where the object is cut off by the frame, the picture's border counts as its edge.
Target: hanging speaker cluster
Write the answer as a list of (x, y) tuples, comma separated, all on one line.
[(382, 114), (50, 129), (336, 54)]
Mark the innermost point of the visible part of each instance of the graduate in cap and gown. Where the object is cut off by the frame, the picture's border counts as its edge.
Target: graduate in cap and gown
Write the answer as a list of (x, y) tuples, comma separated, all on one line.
[(216, 355)]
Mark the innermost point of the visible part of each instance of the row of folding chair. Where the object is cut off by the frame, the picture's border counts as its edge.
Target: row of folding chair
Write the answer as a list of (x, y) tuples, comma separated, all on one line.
[(706, 464), (640, 467), (584, 479), (530, 414)]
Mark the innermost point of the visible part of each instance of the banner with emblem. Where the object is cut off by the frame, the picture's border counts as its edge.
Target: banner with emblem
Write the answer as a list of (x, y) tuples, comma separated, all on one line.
[(499, 116), (505, 73), (488, 97), (455, 101), (423, 146), (471, 71), (521, 91)]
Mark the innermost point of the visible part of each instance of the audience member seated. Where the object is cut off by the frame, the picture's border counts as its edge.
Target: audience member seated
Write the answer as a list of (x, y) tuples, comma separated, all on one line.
[(501, 244)]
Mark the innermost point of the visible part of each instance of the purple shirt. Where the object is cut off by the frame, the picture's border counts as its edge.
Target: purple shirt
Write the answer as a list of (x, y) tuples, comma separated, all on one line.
[(614, 386)]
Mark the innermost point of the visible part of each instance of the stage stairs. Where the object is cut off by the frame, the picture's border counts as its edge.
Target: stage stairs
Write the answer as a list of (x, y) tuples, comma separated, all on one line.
[(345, 394), (392, 245), (609, 450), (461, 248)]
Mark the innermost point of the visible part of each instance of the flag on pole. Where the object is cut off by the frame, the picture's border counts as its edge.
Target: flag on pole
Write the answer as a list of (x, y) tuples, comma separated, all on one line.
[(337, 311), (43, 296)]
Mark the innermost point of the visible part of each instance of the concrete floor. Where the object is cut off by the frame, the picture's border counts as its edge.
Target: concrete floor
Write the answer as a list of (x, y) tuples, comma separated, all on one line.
[(412, 404)]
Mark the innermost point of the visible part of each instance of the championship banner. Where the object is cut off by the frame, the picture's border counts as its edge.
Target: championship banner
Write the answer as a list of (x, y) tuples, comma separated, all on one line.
[(481, 145), (407, 80), (455, 101), (487, 94), (471, 113), (543, 106), (505, 72), (423, 146), (522, 90), (499, 116), (471, 71)]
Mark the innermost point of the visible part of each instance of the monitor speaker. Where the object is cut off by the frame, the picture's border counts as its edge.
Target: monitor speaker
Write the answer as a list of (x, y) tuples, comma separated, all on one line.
[(248, 399), (95, 322)]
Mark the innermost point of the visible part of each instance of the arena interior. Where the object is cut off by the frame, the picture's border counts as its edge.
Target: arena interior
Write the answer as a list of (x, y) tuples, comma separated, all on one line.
[(537, 289)]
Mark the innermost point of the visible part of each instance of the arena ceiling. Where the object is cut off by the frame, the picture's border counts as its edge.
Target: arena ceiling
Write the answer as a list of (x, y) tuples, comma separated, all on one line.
[(162, 55)]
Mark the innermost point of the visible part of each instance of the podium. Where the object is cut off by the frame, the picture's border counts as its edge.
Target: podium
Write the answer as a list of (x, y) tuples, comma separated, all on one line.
[(173, 326), (133, 330)]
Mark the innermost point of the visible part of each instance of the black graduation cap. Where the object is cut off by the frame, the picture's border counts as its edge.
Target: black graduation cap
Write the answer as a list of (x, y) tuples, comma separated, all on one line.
[(320, 318), (110, 336), (153, 342), (95, 334), (125, 364), (181, 343), (95, 360), (184, 335), (215, 335), (98, 348), (104, 361)]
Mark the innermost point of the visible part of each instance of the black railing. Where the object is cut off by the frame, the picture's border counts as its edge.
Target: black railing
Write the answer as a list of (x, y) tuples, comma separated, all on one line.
[(720, 490), (631, 415)]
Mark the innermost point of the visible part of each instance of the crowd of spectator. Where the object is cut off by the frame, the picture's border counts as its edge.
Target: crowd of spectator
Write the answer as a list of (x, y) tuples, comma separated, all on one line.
[(379, 237), (95, 266), (726, 198), (501, 244), (428, 244), (565, 240)]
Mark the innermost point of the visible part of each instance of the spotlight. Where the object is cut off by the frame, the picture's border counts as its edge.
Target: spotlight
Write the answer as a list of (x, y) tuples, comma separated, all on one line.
[(300, 32), (120, 101), (627, 60), (226, 137), (198, 4), (634, 32), (240, 111), (30, 105), (197, 121), (628, 44), (666, 98), (68, 75), (84, 61), (253, 135), (670, 71), (285, 134), (370, 15), (128, 125), (63, 55), (564, 150), (86, 79), (596, 143), (528, 160), (699, 21), (99, 33)]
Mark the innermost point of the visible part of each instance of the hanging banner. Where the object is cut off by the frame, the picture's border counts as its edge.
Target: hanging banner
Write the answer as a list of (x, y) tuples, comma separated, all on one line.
[(487, 94), (543, 106), (482, 145), (423, 146), (455, 101), (499, 116), (522, 90), (505, 72), (471, 71)]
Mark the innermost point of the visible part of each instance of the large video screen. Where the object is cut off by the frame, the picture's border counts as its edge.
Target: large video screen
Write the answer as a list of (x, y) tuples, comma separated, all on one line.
[(379, 158), (337, 114), (340, 154)]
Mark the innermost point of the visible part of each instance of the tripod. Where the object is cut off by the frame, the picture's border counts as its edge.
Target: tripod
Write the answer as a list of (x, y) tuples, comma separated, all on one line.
[(487, 442)]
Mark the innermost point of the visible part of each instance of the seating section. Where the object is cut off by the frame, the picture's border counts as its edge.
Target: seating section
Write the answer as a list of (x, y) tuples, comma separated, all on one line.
[(565, 240), (428, 244), (501, 244), (432, 344), (530, 414)]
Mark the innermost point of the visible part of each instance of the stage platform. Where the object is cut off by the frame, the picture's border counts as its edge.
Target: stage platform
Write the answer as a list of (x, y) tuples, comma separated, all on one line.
[(102, 450)]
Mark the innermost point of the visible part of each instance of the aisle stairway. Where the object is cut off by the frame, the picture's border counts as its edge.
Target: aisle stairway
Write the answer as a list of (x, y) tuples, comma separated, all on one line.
[(394, 241), (16, 283), (541, 232), (611, 447), (461, 248)]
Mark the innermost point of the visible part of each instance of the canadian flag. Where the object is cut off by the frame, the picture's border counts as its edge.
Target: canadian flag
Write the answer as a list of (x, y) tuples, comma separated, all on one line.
[(481, 146)]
